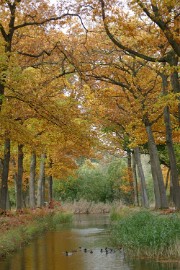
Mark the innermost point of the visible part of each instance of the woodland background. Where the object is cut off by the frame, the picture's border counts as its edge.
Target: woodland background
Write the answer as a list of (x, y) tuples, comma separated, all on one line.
[(88, 89)]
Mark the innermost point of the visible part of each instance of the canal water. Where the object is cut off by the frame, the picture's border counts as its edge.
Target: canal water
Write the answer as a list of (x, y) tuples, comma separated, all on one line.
[(88, 248)]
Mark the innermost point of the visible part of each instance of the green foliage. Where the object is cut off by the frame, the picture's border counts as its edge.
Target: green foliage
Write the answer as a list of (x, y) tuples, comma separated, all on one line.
[(98, 182), (177, 153), (147, 234), (163, 154), (66, 189), (62, 218)]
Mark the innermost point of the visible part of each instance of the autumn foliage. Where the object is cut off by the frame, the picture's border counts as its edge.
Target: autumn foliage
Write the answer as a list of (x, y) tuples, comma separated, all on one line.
[(79, 79)]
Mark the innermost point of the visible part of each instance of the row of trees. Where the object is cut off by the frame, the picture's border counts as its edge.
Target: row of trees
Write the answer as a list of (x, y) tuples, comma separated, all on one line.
[(130, 62), (71, 73), (41, 118)]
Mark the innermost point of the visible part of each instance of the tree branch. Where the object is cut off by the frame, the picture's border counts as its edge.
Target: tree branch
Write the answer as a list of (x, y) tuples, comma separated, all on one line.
[(121, 46), (51, 19), (162, 25)]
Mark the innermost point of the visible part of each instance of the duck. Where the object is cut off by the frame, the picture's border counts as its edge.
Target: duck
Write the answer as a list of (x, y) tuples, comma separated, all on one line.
[(91, 251), (68, 253)]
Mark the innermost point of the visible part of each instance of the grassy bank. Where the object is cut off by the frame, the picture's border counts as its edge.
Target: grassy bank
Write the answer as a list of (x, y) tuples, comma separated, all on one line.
[(147, 234), (18, 229)]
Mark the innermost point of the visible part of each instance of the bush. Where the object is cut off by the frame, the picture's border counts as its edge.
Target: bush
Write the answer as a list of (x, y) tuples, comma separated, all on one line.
[(95, 181)]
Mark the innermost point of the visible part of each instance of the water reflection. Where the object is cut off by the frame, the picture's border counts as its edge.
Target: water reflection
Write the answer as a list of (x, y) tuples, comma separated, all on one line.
[(91, 232), (153, 265)]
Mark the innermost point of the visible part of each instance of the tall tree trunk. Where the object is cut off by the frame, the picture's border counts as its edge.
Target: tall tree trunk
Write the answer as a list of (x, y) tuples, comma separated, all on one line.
[(174, 63), (135, 182), (50, 188), (130, 174), (19, 198), (50, 184), (159, 187), (170, 148), (8, 204), (171, 195), (32, 201), (5, 172), (43, 189), (167, 178), (40, 181), (145, 201)]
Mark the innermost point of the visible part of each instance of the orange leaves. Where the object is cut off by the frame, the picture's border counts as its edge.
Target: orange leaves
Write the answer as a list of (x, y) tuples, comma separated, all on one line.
[(127, 181)]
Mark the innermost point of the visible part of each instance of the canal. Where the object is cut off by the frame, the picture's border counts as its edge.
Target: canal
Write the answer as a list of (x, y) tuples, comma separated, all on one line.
[(83, 245)]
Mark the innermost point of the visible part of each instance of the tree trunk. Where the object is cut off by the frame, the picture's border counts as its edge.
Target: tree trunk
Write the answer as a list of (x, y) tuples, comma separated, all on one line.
[(135, 182), (50, 188), (159, 188), (5, 172), (19, 178), (167, 178), (170, 148), (145, 201), (50, 184), (43, 189), (130, 175), (8, 204), (171, 198), (174, 62), (32, 201), (40, 181)]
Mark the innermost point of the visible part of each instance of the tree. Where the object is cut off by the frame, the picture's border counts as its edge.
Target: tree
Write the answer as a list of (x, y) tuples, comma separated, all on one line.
[(25, 21), (121, 28), (144, 197), (32, 201), (166, 17)]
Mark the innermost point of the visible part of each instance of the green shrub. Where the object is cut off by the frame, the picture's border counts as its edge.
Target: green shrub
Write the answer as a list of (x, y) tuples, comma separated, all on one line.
[(95, 181), (62, 218)]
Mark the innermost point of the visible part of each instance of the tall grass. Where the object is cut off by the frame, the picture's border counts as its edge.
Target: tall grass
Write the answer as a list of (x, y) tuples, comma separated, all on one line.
[(86, 207), (146, 234)]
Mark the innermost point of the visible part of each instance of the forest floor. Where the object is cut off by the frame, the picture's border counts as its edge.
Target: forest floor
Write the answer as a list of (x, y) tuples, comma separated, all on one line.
[(13, 219)]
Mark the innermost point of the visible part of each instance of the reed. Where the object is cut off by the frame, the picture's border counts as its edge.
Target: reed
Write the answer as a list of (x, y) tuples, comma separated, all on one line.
[(146, 234), (86, 207)]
